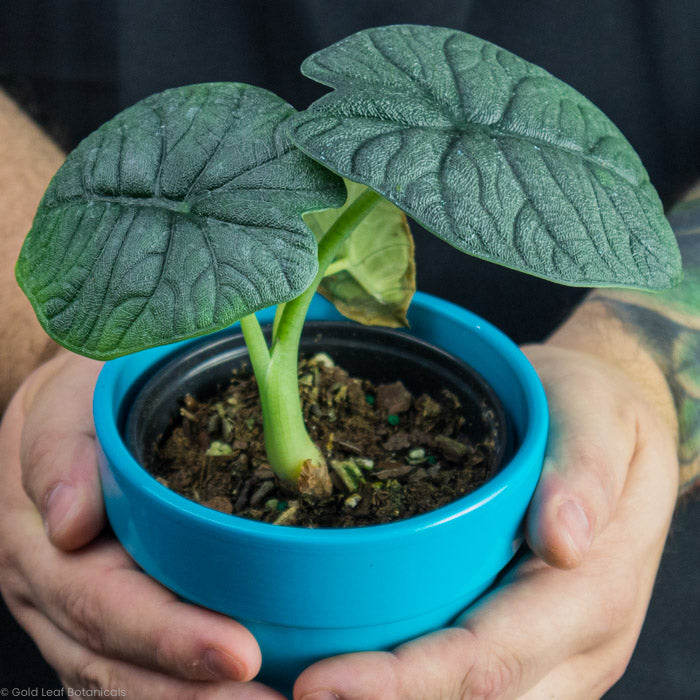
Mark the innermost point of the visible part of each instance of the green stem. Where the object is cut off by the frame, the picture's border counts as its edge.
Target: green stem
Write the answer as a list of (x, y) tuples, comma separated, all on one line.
[(281, 408), (276, 322), (287, 442), (336, 267), (257, 347)]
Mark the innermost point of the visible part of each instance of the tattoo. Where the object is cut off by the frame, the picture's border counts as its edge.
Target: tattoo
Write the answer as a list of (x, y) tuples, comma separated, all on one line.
[(668, 323)]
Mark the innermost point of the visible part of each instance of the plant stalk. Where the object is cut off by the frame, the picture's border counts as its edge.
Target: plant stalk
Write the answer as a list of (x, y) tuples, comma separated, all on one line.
[(293, 455), (257, 348)]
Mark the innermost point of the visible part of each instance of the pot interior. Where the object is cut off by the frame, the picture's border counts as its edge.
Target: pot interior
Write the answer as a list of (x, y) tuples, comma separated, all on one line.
[(381, 355)]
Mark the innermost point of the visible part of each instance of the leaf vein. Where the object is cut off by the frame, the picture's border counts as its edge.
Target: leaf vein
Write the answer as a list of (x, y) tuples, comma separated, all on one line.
[(217, 147), (526, 194), (592, 238), (215, 269)]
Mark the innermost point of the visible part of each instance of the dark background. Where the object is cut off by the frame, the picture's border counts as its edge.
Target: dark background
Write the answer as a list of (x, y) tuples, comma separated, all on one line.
[(73, 64)]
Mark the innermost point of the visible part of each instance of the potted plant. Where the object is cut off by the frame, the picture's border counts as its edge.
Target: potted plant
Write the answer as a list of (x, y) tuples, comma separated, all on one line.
[(193, 210)]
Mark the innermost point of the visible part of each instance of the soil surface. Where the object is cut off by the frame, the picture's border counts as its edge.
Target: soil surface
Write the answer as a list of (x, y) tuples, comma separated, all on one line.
[(391, 455)]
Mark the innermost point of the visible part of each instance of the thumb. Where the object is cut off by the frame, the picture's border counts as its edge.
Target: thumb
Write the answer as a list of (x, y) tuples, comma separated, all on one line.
[(594, 414), (57, 450)]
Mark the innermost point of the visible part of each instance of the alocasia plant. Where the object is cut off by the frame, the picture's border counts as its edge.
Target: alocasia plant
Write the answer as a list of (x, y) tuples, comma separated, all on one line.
[(195, 208)]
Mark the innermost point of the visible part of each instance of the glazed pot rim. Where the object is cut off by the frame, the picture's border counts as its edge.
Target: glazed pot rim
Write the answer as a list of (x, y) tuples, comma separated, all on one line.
[(113, 387)]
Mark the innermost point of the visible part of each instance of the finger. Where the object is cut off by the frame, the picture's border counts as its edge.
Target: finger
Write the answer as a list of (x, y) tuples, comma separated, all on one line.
[(594, 425), (512, 642), (386, 676), (82, 669), (637, 534), (464, 662), (99, 598), (58, 454)]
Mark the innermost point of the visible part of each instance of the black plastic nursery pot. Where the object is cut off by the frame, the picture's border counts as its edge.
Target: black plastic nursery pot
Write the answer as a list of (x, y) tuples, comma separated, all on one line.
[(307, 594), (382, 355)]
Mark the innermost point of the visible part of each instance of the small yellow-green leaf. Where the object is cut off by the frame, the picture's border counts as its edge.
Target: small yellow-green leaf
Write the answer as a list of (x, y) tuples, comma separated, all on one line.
[(373, 277)]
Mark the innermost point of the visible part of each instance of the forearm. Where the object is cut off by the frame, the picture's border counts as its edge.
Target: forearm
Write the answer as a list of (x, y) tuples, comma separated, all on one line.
[(665, 327), (28, 160)]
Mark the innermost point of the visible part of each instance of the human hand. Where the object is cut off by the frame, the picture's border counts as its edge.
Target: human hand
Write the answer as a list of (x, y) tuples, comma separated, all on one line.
[(565, 620), (99, 621)]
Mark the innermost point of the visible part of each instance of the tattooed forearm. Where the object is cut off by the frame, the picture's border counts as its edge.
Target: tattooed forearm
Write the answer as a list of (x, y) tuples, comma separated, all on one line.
[(668, 324)]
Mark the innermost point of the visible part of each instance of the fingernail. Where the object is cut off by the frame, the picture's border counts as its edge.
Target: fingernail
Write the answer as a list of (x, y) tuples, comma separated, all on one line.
[(321, 695), (575, 523), (57, 507), (223, 666)]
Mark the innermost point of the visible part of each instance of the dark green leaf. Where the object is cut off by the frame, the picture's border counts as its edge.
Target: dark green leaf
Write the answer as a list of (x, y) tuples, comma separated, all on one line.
[(491, 153), (174, 219)]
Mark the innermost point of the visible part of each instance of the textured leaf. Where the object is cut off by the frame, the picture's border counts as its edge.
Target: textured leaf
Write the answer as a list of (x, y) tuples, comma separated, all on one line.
[(174, 219), (491, 153), (374, 274)]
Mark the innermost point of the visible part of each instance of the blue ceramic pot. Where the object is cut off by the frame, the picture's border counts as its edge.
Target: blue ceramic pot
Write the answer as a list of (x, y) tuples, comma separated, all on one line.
[(307, 594)]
